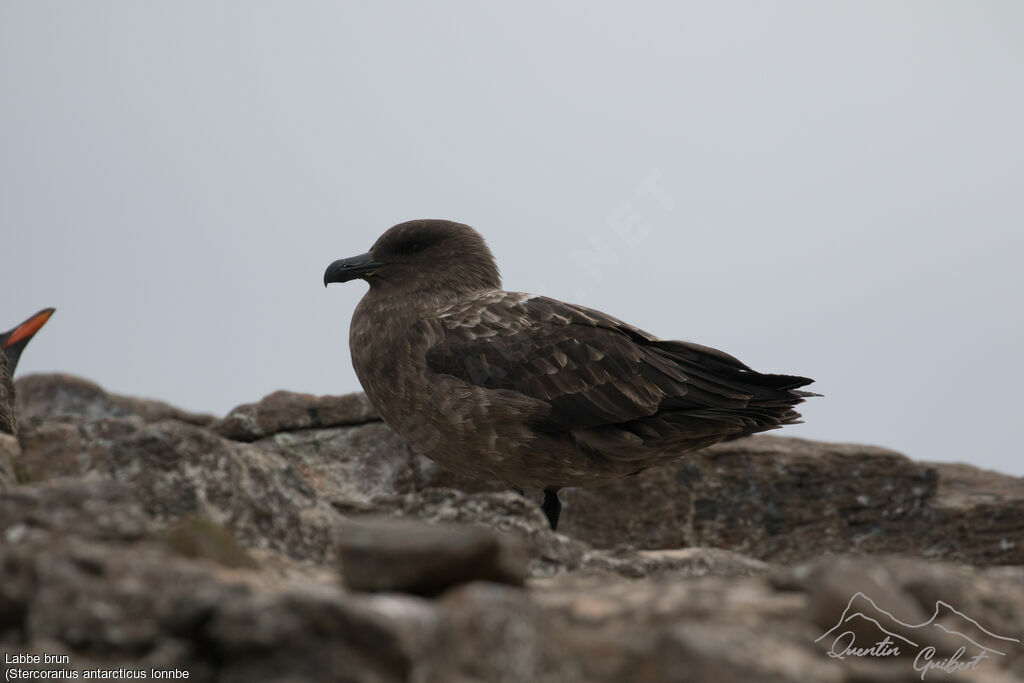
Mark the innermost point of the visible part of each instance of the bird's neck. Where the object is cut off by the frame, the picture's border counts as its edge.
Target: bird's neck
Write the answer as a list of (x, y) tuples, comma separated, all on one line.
[(407, 302)]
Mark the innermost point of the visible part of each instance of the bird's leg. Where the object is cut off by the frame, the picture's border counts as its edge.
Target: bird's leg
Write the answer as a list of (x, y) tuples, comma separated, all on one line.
[(552, 506)]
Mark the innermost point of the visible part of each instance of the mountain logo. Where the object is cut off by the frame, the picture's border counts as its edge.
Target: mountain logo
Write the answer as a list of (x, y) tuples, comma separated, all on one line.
[(949, 641)]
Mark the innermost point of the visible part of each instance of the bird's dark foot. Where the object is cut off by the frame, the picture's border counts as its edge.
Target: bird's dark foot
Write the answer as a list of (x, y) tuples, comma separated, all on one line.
[(552, 506)]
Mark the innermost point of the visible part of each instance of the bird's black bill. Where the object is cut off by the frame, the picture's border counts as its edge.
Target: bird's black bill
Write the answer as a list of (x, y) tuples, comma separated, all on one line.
[(351, 268)]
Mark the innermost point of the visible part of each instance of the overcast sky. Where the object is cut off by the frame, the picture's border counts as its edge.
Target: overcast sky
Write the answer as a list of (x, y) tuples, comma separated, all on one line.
[(827, 189)]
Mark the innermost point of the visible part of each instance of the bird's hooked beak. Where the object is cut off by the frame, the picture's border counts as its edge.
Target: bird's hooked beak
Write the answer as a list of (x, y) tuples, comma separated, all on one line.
[(346, 269)]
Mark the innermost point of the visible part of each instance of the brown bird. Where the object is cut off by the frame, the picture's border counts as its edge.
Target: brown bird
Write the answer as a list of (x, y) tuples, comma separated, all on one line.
[(528, 390), (12, 343)]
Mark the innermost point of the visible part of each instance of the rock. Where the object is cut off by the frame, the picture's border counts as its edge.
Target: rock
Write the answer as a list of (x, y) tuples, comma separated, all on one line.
[(135, 605), (93, 509), (199, 536), (347, 467), (131, 537), (785, 500), (358, 467), (305, 633), (507, 512), (285, 411), (731, 652), (849, 587), (10, 450), (44, 396), (176, 470), (493, 632), (977, 516), (680, 563), (138, 607), (751, 495), (911, 591), (426, 559)]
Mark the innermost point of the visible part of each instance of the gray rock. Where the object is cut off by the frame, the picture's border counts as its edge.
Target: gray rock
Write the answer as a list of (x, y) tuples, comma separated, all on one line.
[(284, 411), (201, 537), (44, 396), (732, 652), (303, 633), (10, 450), (136, 606), (506, 512), (426, 559), (679, 563), (511, 639), (911, 590), (131, 541), (93, 509), (976, 516), (785, 500), (177, 470), (349, 467), (751, 495)]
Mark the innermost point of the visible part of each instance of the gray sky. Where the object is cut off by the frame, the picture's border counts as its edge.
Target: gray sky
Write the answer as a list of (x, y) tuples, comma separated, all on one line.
[(833, 190)]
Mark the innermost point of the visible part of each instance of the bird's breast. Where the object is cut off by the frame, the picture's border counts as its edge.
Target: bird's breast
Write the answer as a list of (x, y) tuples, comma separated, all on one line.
[(387, 355)]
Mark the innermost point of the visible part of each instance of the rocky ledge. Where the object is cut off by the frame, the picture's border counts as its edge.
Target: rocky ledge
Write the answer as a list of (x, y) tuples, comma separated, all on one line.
[(296, 539)]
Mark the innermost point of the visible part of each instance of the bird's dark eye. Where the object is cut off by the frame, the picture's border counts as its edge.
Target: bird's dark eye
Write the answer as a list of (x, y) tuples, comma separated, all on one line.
[(414, 246), (408, 242), (408, 247)]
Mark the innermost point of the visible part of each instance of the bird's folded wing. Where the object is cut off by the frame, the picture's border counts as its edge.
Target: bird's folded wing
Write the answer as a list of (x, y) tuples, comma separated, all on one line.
[(587, 368)]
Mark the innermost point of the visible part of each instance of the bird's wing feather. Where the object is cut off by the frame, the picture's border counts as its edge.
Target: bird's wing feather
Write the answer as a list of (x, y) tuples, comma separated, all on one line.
[(587, 367)]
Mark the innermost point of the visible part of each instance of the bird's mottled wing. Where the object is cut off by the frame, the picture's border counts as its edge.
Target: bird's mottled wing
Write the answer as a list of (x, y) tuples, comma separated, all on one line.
[(588, 368)]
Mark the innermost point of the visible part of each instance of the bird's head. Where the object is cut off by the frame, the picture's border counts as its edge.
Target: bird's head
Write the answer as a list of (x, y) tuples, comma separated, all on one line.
[(422, 255)]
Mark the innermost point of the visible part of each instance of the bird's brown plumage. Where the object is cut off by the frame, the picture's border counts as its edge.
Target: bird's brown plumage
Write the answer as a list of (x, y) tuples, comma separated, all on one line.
[(527, 389)]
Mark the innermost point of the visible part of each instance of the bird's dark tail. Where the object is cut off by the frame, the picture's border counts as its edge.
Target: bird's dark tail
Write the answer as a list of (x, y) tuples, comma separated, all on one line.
[(722, 389)]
